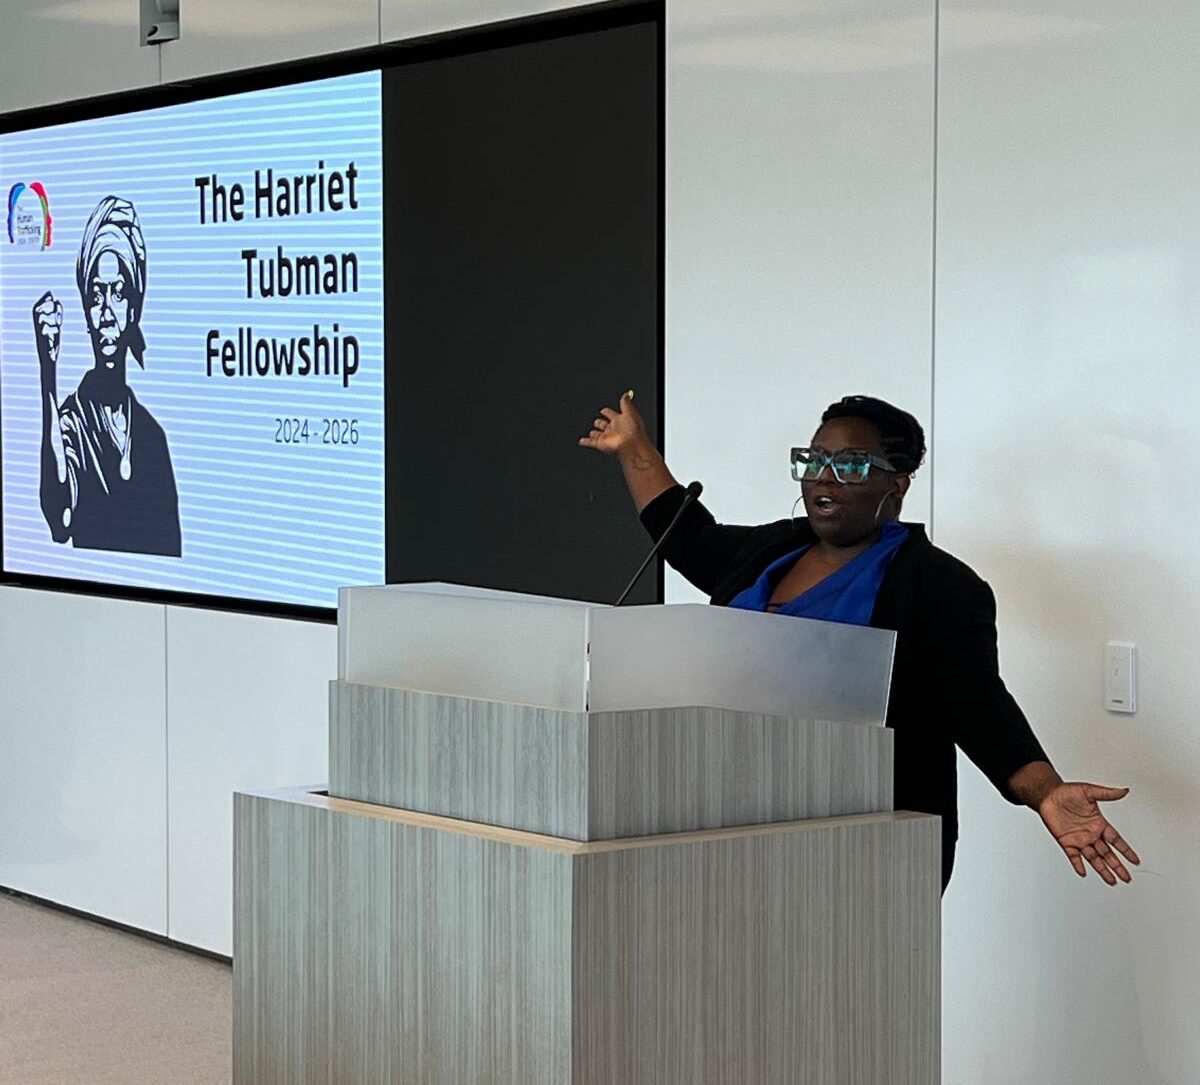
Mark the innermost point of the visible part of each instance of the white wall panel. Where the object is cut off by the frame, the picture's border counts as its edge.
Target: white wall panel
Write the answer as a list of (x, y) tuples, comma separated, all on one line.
[(225, 35), (82, 753), (247, 707), (799, 233), (63, 49), (1066, 389), (401, 19)]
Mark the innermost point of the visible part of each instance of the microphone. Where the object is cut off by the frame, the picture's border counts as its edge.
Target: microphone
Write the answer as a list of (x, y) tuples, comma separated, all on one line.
[(694, 490)]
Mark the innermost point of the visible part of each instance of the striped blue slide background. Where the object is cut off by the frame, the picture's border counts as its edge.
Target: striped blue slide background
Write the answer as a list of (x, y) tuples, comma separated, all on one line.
[(260, 520)]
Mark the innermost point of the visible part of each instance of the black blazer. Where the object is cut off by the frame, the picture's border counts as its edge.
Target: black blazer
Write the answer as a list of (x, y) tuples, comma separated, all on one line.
[(946, 686)]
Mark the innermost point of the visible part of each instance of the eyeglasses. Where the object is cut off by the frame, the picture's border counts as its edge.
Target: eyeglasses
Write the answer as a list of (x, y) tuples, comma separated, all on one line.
[(847, 464)]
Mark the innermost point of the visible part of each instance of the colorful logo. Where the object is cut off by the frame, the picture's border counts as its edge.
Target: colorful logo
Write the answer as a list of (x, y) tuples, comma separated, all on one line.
[(29, 221)]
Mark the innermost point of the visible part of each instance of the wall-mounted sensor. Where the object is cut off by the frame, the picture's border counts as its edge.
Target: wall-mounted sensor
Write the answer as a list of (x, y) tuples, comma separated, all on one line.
[(1120, 676), (160, 21)]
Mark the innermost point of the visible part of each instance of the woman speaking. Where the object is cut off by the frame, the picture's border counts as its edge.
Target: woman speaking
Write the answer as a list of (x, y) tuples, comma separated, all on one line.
[(852, 560)]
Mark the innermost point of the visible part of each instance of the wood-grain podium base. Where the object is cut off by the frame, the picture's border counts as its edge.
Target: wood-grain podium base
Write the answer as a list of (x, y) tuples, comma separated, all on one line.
[(377, 945)]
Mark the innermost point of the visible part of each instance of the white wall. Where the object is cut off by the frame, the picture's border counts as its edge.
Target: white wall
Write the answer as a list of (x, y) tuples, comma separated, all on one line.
[(125, 728), (399, 19), (246, 708), (225, 35), (83, 754), (49, 54), (799, 233), (1066, 391), (1060, 400)]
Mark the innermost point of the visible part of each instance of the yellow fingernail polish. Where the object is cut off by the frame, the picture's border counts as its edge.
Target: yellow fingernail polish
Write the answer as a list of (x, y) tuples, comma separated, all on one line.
[(629, 394)]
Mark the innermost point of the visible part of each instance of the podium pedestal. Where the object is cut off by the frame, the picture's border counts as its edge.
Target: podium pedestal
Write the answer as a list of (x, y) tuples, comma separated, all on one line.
[(599, 775), (627, 896)]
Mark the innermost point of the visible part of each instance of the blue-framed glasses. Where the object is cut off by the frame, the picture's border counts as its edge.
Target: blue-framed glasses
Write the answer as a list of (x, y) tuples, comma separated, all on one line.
[(847, 464)]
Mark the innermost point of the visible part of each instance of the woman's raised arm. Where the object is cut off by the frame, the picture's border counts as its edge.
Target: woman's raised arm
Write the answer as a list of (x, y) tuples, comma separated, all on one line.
[(622, 433)]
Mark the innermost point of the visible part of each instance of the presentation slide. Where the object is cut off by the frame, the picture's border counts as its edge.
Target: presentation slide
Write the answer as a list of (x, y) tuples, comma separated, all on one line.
[(191, 346)]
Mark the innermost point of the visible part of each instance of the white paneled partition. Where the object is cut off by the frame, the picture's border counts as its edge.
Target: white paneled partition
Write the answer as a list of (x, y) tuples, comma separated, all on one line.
[(83, 753), (1067, 388), (415, 18), (225, 35), (799, 233), (247, 707), (61, 50)]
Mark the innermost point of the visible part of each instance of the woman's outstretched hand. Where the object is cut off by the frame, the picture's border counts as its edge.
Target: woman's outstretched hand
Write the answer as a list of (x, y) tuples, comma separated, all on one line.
[(616, 431), (1071, 813), (622, 433)]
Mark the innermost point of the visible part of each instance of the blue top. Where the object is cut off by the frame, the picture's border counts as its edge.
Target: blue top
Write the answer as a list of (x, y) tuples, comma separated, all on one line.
[(845, 596)]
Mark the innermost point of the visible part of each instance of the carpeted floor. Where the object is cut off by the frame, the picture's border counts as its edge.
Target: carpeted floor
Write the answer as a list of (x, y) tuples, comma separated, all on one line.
[(82, 1004)]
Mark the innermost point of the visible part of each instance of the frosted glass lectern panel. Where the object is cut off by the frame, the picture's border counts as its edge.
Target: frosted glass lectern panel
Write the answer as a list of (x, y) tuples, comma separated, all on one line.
[(694, 654), (467, 642), (556, 653)]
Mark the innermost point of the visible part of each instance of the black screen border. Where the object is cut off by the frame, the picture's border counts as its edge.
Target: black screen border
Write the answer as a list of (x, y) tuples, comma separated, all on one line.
[(542, 27)]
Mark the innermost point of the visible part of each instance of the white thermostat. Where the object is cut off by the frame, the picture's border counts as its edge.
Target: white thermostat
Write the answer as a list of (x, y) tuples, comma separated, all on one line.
[(1120, 685)]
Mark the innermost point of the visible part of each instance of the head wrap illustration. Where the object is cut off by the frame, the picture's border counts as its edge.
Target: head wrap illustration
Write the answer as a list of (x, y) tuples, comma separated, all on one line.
[(114, 229), (107, 479)]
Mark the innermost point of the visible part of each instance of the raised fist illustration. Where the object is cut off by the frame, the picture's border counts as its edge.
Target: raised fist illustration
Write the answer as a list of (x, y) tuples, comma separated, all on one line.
[(47, 327)]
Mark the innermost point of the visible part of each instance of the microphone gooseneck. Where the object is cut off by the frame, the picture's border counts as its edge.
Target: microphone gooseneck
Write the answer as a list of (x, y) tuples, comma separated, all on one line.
[(693, 491)]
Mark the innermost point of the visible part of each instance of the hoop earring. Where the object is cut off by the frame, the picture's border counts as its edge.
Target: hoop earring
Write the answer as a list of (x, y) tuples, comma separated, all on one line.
[(794, 504), (879, 507)]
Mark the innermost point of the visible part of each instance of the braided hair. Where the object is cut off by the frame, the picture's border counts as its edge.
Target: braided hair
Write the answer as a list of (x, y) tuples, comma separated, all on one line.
[(900, 433)]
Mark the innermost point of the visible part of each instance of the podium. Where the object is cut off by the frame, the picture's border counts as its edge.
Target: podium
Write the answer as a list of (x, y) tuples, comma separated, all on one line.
[(573, 844)]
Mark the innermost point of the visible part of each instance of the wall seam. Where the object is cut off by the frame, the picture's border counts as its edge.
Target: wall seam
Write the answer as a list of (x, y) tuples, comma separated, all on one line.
[(167, 760), (933, 283)]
